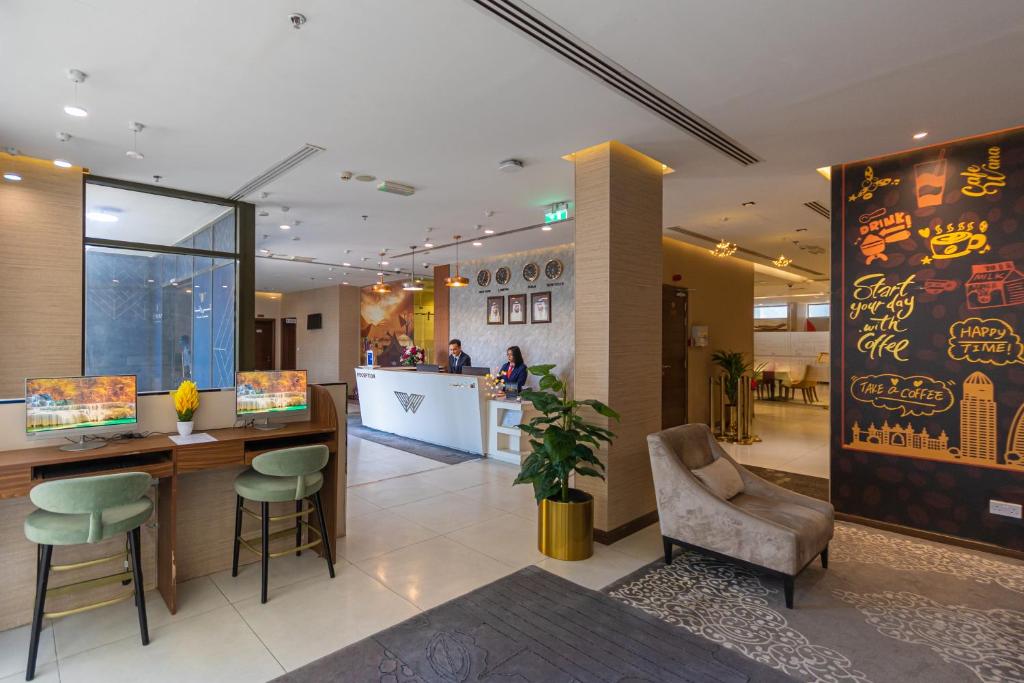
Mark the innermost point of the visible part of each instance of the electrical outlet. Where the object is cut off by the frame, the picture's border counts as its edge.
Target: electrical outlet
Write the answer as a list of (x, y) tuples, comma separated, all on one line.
[(1001, 507)]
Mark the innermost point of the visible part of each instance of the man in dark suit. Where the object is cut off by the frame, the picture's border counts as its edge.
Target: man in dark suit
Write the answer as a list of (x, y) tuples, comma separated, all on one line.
[(456, 358)]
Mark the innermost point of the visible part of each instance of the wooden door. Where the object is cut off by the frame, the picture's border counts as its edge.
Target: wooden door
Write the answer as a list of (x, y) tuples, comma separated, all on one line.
[(288, 343), (674, 339), (264, 344)]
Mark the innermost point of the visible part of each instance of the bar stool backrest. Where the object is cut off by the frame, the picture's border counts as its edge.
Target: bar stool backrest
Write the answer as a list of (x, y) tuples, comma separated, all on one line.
[(91, 495), (293, 462)]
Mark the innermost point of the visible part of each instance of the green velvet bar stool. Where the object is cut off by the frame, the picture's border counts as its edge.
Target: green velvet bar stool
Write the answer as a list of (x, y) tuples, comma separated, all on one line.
[(289, 474), (87, 510)]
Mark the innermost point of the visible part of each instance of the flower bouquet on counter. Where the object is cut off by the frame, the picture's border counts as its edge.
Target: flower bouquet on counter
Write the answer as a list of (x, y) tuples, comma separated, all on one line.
[(495, 386), (412, 356), (186, 403)]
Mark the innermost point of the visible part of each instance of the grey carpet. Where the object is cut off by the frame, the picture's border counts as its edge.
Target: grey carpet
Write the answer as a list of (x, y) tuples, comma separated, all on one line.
[(448, 456), (533, 627), (888, 608)]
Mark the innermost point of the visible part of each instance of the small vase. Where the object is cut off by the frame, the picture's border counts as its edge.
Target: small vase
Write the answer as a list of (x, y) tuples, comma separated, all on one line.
[(185, 428)]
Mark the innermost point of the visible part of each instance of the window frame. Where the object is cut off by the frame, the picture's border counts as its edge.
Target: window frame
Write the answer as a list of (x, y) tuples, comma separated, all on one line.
[(244, 257)]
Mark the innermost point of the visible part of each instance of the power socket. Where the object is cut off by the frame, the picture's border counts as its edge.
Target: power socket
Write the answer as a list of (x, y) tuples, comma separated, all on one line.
[(1001, 507)]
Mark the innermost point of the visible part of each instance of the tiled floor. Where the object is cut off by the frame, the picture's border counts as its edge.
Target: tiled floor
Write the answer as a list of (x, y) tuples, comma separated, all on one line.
[(419, 533), (794, 438)]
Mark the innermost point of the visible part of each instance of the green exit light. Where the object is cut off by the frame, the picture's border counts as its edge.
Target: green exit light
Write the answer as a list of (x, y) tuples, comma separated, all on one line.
[(555, 216)]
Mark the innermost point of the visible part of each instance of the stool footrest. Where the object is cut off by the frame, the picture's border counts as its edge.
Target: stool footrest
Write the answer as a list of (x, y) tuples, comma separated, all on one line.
[(247, 542), (88, 563), (89, 583), (85, 608), (278, 518)]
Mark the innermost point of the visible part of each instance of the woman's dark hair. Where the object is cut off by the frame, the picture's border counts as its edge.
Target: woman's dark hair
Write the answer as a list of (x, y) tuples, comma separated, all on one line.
[(517, 355)]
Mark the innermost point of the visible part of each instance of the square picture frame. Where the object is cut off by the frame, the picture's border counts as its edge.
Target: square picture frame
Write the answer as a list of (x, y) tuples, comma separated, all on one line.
[(540, 307), (495, 311), (517, 309)]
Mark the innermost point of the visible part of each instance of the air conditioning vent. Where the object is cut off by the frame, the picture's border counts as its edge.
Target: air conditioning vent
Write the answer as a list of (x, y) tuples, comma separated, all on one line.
[(543, 30), (819, 209), (276, 171)]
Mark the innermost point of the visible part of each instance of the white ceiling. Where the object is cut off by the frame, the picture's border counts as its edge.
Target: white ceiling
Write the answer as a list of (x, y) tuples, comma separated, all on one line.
[(143, 217), (434, 94)]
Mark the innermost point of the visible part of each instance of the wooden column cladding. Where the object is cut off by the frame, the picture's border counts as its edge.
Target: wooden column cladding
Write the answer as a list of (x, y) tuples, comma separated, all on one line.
[(41, 228), (442, 315), (618, 322)]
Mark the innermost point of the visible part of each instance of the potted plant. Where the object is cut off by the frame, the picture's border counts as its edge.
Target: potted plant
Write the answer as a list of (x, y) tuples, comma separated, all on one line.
[(412, 356), (734, 365), (186, 403), (563, 443)]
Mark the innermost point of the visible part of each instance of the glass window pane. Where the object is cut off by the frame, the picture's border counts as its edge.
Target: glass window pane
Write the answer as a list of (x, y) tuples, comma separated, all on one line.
[(771, 312), (140, 217), (817, 310), (146, 314), (224, 233)]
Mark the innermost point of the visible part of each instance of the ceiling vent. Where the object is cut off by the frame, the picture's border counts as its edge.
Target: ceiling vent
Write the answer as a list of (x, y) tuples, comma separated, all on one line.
[(819, 209), (397, 188), (543, 30), (276, 171)]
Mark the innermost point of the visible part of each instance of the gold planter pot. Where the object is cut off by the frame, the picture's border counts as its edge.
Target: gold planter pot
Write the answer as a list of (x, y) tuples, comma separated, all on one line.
[(565, 531)]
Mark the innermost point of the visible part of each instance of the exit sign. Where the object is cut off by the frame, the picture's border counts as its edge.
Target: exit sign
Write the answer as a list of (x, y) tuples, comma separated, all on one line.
[(557, 212)]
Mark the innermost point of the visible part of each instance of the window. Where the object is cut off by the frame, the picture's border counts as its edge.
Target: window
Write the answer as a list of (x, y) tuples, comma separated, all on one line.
[(162, 305), (771, 312), (817, 310)]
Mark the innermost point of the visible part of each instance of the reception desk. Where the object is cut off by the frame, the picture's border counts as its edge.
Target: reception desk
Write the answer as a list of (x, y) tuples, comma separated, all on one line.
[(438, 408)]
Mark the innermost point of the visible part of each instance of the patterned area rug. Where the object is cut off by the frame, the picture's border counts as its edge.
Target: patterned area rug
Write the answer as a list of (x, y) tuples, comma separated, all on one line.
[(534, 627), (889, 608)]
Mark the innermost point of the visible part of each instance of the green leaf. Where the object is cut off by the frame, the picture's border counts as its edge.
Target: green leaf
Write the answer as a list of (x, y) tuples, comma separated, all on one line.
[(600, 408), (541, 370), (550, 382), (558, 443), (589, 472)]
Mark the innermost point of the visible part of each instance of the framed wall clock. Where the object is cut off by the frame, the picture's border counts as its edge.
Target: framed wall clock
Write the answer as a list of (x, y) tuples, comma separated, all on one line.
[(553, 269), (502, 276), (483, 278), (531, 271)]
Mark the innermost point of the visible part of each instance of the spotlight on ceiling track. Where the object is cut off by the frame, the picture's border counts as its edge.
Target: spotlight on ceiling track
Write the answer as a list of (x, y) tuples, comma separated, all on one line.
[(135, 127), (75, 109)]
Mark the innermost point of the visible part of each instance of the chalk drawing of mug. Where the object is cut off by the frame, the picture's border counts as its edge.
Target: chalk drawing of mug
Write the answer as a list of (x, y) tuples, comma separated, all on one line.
[(956, 244)]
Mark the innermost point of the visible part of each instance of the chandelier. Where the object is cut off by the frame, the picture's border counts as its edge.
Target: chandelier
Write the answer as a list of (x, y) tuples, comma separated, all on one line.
[(381, 287), (723, 249), (456, 280), (413, 285), (782, 261)]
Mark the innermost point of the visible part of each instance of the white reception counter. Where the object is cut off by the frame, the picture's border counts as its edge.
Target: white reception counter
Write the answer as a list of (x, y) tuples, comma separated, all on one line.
[(442, 409)]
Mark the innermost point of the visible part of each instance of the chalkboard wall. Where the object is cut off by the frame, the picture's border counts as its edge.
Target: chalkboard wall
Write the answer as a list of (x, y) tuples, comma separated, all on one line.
[(928, 301)]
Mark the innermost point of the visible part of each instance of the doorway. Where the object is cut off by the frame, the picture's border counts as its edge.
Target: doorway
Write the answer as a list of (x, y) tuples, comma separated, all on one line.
[(264, 344), (288, 343), (674, 339)]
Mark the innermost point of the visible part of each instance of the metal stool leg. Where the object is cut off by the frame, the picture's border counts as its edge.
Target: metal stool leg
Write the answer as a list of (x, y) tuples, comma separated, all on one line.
[(298, 528), (42, 578), (324, 538), (238, 532), (135, 541), (265, 555)]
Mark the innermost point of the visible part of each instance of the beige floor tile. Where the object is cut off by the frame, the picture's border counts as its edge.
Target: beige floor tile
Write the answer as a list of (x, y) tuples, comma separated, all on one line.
[(434, 571), (510, 539), (283, 571), (85, 631), (307, 620), (447, 512), (45, 673), (644, 544), (397, 491), (369, 461), (357, 506), (216, 646), (14, 649), (379, 533), (517, 500), (604, 567)]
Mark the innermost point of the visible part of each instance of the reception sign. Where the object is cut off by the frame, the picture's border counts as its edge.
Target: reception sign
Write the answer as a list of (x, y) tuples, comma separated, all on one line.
[(927, 330)]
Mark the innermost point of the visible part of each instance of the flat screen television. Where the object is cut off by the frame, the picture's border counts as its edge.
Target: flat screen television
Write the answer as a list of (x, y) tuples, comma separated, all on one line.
[(54, 404), (264, 392)]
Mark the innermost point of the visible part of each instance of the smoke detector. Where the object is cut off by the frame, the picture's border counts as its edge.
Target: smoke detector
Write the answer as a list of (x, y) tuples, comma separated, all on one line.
[(346, 175), (510, 165), (298, 20), (397, 188), (62, 136)]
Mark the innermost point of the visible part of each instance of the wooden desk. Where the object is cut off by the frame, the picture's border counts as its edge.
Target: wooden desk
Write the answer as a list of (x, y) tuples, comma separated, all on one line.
[(165, 461)]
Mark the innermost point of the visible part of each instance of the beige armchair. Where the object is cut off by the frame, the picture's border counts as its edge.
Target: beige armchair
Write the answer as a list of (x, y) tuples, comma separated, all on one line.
[(763, 525)]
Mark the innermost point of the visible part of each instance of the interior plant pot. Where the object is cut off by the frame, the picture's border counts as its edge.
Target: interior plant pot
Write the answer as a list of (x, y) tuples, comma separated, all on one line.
[(185, 428), (565, 531)]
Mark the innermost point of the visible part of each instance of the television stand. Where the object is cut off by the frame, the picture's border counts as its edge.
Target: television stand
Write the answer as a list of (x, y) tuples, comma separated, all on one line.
[(82, 445), (267, 425)]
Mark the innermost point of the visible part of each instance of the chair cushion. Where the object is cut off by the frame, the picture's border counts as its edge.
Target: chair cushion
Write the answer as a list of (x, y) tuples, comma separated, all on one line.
[(812, 528), (266, 488), (54, 528), (721, 477)]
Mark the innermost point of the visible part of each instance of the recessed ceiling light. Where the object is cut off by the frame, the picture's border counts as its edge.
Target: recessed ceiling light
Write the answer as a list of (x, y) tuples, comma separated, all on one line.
[(115, 281), (223, 286), (546, 228), (101, 217), (384, 263), (478, 244), (366, 178), (346, 264), (188, 291), (748, 203), (151, 280), (922, 134), (488, 231), (75, 110), (13, 177), (285, 226), (329, 277), (61, 163), (428, 245)]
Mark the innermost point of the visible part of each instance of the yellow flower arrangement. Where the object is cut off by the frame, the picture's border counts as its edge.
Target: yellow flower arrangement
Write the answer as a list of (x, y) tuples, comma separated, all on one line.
[(186, 400)]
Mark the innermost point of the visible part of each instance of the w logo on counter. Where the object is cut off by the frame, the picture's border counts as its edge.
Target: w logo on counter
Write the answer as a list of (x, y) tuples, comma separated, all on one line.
[(409, 401)]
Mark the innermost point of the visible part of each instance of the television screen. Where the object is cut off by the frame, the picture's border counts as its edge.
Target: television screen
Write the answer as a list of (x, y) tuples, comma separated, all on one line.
[(314, 321), (53, 403), (270, 391)]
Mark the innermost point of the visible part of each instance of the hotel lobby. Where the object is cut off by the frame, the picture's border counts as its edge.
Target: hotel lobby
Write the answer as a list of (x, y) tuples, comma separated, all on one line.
[(488, 340)]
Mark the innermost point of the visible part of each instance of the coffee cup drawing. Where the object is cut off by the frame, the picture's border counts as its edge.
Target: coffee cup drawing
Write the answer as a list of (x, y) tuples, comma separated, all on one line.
[(956, 244)]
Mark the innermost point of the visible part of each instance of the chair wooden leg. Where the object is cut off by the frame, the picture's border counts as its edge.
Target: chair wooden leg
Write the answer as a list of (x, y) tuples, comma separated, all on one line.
[(824, 557), (238, 532), (298, 527), (135, 542), (42, 578), (667, 544), (324, 538), (788, 588), (265, 555)]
